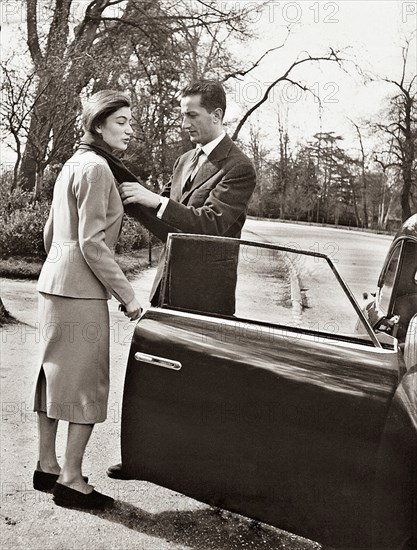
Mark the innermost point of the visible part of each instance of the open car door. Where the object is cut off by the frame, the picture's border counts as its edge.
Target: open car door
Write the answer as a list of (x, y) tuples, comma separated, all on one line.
[(249, 388)]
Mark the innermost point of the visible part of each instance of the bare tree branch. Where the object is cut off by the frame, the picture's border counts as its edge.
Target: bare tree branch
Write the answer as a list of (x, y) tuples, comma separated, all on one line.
[(333, 56), (256, 64), (32, 32)]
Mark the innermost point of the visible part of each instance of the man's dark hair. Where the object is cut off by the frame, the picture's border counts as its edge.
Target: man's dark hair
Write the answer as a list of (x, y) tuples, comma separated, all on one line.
[(212, 93)]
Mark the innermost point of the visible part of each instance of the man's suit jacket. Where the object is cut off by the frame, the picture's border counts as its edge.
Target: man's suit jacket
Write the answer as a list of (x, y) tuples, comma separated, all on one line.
[(216, 202), (82, 229)]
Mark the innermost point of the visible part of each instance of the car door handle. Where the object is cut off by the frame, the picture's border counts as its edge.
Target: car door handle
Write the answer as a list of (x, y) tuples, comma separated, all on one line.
[(157, 361)]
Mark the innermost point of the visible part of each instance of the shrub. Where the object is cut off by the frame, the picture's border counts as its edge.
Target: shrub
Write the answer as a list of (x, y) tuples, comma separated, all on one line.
[(133, 236), (48, 181), (22, 223), (21, 231)]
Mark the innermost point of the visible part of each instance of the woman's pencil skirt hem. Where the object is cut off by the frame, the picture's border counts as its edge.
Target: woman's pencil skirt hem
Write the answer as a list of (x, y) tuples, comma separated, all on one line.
[(73, 378)]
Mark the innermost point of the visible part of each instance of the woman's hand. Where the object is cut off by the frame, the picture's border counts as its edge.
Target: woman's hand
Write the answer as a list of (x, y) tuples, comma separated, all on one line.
[(132, 309), (132, 192)]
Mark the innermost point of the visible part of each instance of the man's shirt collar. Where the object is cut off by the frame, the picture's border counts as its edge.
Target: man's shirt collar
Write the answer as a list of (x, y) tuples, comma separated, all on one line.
[(211, 145)]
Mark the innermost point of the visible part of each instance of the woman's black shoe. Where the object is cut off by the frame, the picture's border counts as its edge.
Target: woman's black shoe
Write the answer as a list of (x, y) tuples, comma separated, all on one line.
[(42, 481), (70, 498)]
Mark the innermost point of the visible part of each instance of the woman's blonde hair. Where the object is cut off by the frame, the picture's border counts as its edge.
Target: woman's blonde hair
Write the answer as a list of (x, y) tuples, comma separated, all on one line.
[(101, 105)]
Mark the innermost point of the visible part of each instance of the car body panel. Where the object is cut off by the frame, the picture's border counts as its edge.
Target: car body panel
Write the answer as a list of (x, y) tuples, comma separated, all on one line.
[(298, 428), (268, 426), (400, 298), (395, 525)]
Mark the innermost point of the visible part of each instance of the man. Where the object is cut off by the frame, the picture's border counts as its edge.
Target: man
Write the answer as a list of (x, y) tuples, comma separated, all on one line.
[(210, 187), (215, 199)]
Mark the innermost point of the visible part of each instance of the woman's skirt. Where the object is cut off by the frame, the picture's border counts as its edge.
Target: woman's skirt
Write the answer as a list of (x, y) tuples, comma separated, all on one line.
[(73, 379)]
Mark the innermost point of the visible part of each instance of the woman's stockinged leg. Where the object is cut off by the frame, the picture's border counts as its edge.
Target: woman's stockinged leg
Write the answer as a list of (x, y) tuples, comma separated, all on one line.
[(47, 428), (71, 476)]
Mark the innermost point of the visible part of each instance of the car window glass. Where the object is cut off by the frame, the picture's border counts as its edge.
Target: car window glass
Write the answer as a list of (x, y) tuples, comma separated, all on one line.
[(259, 283), (403, 296), (385, 290), (292, 289)]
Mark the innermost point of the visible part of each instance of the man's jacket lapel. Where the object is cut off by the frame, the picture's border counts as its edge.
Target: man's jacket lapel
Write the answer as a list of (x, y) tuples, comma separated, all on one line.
[(206, 171), (210, 167)]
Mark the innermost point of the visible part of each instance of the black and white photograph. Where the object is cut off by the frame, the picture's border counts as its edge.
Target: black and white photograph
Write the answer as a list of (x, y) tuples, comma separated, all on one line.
[(208, 249)]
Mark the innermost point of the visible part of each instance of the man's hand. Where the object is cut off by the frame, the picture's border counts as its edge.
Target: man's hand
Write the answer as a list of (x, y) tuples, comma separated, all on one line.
[(133, 192)]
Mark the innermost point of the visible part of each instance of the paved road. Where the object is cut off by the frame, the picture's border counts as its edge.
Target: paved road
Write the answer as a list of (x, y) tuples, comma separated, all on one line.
[(147, 517), (358, 256)]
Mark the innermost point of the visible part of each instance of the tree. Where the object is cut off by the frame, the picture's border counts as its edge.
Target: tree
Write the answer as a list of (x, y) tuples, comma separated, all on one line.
[(282, 170), (158, 70), (364, 179), (333, 56), (338, 190), (259, 154), (59, 69), (401, 131), (389, 191), (302, 195), (323, 151), (16, 106), (96, 52)]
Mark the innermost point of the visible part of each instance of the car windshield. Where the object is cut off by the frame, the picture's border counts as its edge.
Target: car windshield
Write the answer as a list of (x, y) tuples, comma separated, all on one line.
[(262, 283), (387, 284)]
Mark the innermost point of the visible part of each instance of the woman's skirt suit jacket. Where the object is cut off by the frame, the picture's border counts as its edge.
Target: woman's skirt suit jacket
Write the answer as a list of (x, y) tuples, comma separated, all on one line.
[(77, 278)]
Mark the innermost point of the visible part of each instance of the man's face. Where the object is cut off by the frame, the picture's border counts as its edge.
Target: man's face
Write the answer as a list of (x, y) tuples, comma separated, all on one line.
[(201, 125)]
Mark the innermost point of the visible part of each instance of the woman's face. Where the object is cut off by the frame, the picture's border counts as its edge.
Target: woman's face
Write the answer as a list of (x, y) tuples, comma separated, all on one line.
[(116, 130)]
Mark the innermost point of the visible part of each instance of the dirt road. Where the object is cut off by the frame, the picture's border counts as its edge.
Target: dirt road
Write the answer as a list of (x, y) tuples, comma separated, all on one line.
[(146, 516)]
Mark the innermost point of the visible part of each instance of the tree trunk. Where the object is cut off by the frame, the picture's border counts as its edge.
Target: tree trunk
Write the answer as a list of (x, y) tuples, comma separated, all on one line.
[(364, 178), (405, 197), (60, 80), (38, 183), (16, 168), (355, 206), (5, 316), (37, 140), (407, 164)]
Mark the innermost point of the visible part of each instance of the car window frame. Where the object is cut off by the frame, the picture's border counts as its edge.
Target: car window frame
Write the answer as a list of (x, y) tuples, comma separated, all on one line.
[(358, 310), (397, 245)]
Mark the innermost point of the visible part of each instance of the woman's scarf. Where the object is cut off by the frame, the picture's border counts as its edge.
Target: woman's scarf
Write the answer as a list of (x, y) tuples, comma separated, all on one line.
[(121, 173)]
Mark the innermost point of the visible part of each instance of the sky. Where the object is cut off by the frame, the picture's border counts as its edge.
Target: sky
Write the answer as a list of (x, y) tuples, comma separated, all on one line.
[(372, 31)]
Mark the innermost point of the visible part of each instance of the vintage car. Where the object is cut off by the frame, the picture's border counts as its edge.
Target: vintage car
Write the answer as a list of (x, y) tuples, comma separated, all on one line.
[(394, 309), (260, 386)]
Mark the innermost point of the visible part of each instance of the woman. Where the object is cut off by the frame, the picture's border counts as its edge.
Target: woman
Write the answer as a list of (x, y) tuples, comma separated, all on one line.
[(77, 278)]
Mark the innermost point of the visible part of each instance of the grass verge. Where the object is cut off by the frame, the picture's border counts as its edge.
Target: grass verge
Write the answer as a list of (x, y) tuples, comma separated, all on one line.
[(30, 267)]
